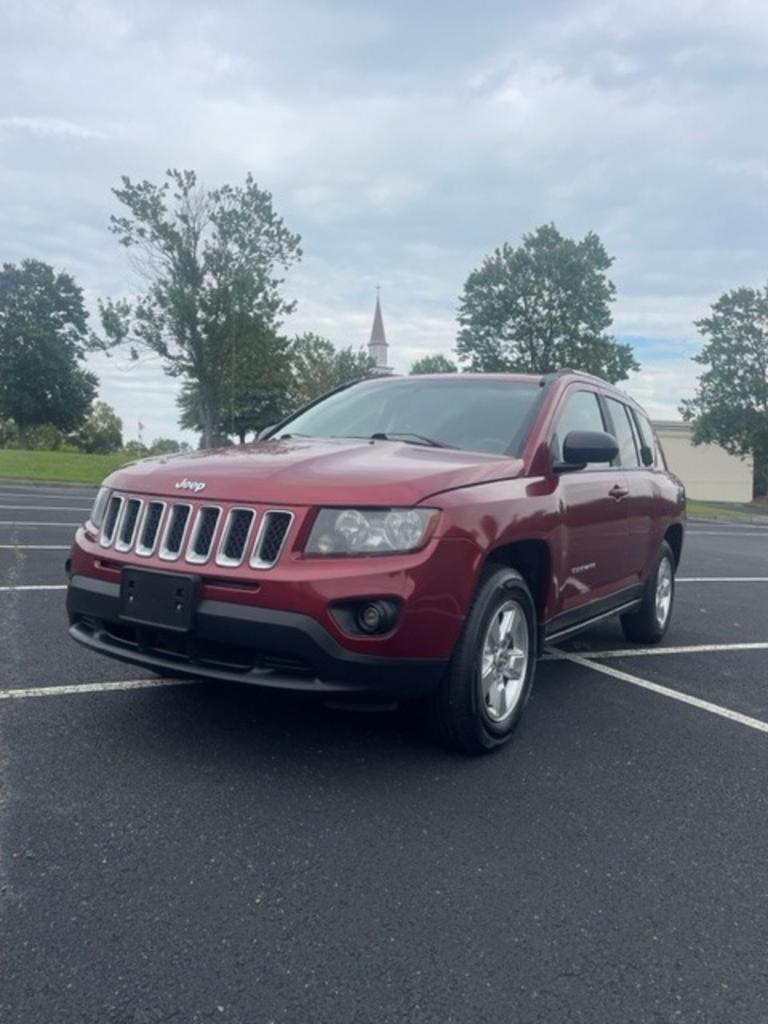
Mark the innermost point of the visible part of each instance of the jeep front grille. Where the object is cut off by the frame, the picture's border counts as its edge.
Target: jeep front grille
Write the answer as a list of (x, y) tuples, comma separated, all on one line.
[(270, 539), (196, 534), (128, 523), (110, 520), (235, 536), (149, 528), (175, 531), (202, 535)]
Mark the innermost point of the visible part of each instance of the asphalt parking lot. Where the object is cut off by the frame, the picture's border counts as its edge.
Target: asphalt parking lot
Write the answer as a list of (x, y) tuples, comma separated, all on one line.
[(193, 853)]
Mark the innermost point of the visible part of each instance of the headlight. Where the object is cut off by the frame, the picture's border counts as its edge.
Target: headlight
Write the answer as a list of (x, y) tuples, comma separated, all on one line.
[(100, 502), (354, 531)]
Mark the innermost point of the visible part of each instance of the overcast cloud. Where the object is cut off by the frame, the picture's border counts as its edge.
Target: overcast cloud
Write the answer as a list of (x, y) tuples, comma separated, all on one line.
[(403, 141)]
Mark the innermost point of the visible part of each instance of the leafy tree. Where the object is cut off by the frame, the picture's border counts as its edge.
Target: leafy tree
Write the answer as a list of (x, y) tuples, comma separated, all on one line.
[(210, 260), (136, 449), (43, 341), (317, 366), (434, 364), (44, 437), (168, 446), (540, 307), (102, 432), (730, 406), (9, 433), (255, 384)]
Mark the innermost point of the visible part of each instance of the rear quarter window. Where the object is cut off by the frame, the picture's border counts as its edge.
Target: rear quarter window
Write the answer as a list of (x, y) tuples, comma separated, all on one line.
[(651, 452)]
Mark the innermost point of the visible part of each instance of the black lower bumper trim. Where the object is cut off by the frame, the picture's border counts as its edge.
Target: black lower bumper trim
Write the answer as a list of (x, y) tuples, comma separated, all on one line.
[(238, 643)]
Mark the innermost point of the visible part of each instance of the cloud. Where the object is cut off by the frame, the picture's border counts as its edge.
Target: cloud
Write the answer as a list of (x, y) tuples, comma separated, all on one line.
[(403, 147), (50, 126)]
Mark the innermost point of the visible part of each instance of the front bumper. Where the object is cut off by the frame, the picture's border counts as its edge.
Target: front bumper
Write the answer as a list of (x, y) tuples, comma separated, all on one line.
[(241, 643)]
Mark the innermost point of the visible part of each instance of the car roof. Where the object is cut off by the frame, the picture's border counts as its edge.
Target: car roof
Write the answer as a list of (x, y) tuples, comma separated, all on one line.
[(562, 377)]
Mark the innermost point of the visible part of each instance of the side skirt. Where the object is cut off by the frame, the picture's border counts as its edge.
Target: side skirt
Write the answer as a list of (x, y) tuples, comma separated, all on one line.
[(563, 626)]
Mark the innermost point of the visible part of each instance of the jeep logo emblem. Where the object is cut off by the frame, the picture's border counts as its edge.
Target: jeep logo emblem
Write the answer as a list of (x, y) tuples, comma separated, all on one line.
[(189, 485)]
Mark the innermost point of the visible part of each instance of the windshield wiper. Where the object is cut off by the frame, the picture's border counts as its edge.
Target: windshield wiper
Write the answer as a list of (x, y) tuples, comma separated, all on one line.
[(410, 438)]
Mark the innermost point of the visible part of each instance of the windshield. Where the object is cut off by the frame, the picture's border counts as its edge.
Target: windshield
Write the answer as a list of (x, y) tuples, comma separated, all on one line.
[(470, 413)]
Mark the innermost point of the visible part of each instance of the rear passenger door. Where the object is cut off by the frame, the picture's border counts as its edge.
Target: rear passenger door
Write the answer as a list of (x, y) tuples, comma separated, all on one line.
[(594, 526), (639, 481)]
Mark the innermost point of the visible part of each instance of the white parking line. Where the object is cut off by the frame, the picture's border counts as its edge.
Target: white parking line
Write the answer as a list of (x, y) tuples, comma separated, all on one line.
[(37, 586), (28, 524), (34, 547), (554, 654), (665, 691), (48, 508), (721, 579), (64, 494), (61, 691), (753, 532)]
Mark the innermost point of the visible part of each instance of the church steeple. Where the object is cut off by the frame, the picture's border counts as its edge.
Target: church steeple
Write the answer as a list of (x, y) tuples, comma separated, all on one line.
[(377, 345)]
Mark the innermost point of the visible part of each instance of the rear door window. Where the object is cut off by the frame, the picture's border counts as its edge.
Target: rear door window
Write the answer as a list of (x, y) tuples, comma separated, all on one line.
[(648, 447), (629, 456)]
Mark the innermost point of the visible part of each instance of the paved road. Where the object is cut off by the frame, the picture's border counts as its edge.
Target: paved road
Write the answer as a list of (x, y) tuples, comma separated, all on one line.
[(201, 853)]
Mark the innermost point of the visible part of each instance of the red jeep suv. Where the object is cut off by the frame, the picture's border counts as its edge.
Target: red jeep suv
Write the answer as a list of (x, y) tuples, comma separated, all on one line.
[(423, 537)]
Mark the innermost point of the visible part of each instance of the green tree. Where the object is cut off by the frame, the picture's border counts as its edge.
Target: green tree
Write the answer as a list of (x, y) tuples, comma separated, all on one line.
[(44, 437), (434, 364), (211, 261), (102, 431), (540, 307), (43, 342), (730, 406), (254, 383), (136, 449), (9, 434), (168, 446), (317, 366)]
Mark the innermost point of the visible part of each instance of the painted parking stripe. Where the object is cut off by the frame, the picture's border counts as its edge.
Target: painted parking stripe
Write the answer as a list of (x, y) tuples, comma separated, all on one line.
[(48, 508), (729, 524), (721, 579), (753, 532), (34, 547), (28, 525), (665, 691), (62, 691), (554, 654), (65, 494), (36, 586)]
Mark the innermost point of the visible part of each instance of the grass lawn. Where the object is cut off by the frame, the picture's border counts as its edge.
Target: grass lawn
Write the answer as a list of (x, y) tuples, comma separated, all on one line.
[(707, 510), (60, 467)]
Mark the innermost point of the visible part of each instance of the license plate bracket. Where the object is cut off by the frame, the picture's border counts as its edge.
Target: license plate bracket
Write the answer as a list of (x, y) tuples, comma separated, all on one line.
[(162, 599)]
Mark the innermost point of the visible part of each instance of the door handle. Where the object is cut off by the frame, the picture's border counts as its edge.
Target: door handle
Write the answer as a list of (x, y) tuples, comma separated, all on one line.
[(618, 492)]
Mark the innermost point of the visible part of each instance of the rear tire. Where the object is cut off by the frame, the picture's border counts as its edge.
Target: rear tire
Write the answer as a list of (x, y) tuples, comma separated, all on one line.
[(488, 681), (649, 624)]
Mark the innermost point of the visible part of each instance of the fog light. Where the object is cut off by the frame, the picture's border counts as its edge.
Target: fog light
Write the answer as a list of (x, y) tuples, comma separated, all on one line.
[(376, 617)]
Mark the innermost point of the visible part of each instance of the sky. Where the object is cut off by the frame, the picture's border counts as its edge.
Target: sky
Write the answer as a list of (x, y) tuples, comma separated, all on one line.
[(403, 142)]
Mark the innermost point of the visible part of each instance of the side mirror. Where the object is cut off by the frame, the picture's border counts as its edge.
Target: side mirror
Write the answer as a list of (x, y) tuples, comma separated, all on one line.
[(264, 431), (583, 446)]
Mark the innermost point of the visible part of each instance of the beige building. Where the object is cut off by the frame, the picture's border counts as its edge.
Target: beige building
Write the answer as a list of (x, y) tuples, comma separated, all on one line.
[(707, 470)]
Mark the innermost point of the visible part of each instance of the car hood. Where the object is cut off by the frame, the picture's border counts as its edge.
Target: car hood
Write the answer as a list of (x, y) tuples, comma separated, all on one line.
[(315, 472)]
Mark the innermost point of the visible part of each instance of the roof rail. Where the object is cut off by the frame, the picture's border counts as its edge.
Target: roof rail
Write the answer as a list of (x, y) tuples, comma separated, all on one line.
[(568, 371)]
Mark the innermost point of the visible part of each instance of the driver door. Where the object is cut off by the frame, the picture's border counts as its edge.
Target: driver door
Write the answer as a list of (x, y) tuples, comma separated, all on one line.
[(594, 524)]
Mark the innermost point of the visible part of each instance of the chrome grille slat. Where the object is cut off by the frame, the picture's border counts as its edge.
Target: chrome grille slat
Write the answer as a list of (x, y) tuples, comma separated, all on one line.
[(129, 520), (201, 540), (150, 528), (271, 537), (234, 537), (175, 531), (109, 528)]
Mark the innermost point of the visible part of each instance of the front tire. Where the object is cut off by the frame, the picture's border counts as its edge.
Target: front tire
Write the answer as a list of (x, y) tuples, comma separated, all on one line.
[(482, 696), (650, 623)]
